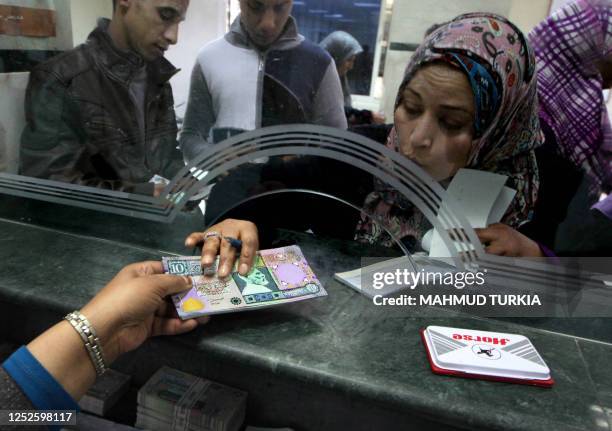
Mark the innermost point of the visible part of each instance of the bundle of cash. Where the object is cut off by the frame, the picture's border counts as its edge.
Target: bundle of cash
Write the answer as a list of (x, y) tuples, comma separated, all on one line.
[(172, 399), (105, 392), (278, 276)]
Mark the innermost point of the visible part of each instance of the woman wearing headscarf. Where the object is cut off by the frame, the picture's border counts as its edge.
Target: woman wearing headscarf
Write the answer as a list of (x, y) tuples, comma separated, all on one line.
[(468, 100), (344, 49), (573, 48)]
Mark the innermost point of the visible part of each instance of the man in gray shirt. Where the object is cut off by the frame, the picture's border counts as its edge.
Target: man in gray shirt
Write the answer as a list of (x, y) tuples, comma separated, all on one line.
[(261, 73)]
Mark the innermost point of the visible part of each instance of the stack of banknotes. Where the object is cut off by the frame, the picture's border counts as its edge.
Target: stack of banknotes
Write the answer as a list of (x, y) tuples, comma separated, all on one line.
[(105, 392), (174, 400), (278, 276)]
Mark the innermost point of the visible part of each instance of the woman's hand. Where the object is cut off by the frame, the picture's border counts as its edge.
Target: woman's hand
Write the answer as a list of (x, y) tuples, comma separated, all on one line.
[(214, 243), (127, 311), (502, 240), (133, 307)]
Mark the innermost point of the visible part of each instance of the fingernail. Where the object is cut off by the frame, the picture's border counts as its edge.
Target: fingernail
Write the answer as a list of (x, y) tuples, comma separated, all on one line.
[(207, 260), (244, 268), (224, 271)]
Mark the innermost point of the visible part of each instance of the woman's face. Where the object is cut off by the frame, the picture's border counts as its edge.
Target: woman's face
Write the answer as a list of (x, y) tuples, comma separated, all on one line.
[(346, 66), (435, 118)]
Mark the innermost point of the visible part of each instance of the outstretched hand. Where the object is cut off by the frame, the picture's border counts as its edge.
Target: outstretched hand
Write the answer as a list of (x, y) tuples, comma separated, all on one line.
[(214, 242), (133, 307)]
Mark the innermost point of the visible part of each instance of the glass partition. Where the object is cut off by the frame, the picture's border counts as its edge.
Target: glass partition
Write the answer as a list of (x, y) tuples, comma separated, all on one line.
[(280, 166), (319, 18)]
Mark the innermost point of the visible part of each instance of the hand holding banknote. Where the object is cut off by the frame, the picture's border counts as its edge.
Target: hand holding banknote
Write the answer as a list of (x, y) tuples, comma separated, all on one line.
[(129, 309), (132, 308)]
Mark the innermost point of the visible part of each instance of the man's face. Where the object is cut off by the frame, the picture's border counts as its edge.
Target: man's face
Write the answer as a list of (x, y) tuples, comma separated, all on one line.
[(264, 20), (152, 25)]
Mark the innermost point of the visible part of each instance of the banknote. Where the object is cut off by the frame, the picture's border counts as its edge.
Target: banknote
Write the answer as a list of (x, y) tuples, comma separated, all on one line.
[(105, 392), (278, 276), (172, 399)]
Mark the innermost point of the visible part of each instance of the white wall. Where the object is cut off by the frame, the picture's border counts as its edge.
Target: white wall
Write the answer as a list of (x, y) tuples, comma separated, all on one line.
[(234, 9), (75, 20), (206, 20), (411, 18), (557, 4), (527, 14), (84, 16), (63, 38)]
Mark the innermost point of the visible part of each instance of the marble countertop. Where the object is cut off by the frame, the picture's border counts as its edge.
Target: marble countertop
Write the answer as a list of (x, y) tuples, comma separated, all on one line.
[(338, 362)]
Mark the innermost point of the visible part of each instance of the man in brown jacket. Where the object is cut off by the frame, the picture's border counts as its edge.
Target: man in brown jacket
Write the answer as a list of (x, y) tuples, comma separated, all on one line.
[(102, 114)]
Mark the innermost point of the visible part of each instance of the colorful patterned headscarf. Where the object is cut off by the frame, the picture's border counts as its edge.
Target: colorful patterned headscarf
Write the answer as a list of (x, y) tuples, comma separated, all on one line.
[(567, 46), (500, 67)]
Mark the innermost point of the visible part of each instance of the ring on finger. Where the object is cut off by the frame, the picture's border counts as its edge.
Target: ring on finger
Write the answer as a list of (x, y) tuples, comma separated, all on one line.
[(212, 234)]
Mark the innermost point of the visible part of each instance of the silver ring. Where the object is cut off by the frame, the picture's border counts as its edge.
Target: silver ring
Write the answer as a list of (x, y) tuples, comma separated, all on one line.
[(211, 234)]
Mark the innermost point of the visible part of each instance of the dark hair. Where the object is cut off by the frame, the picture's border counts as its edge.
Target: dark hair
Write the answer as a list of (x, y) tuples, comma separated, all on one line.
[(114, 4), (434, 27)]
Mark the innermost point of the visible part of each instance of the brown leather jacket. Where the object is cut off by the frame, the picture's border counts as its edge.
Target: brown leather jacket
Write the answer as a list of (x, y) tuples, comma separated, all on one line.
[(82, 124)]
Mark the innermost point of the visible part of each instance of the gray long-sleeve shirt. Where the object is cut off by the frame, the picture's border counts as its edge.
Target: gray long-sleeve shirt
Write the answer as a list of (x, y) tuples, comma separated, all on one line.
[(235, 86)]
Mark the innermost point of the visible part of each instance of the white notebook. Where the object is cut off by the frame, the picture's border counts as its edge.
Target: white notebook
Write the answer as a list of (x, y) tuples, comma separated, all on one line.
[(481, 197)]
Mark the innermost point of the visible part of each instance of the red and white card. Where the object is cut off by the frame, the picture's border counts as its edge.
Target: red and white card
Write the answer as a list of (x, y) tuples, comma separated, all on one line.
[(485, 355)]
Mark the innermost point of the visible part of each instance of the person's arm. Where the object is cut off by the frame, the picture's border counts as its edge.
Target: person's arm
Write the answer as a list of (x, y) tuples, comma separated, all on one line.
[(329, 101), (199, 116), (130, 309), (502, 240), (55, 369), (54, 140)]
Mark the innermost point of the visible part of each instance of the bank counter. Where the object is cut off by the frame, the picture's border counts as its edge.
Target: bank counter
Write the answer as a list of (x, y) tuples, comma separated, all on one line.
[(333, 363)]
